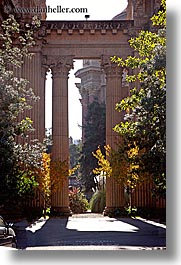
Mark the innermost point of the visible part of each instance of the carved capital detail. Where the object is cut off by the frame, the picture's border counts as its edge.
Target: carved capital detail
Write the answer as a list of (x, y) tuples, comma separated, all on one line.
[(44, 67), (44, 70), (60, 65), (110, 68)]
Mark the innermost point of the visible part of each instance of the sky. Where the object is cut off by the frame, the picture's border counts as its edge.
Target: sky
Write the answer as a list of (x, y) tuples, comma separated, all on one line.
[(97, 10)]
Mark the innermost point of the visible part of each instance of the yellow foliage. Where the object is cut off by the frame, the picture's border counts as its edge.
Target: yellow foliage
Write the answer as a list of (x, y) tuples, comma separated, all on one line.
[(132, 152), (44, 178), (103, 163), (119, 165), (59, 172), (72, 170), (52, 175)]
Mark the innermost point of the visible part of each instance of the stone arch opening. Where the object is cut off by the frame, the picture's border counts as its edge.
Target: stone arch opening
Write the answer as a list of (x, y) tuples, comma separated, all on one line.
[(60, 66)]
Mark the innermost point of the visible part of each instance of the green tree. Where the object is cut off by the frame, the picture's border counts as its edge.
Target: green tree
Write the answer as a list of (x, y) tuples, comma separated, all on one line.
[(95, 135), (144, 124), (75, 152), (19, 163)]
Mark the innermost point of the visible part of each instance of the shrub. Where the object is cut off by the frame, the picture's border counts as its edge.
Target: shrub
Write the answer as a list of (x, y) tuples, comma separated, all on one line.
[(118, 212), (77, 201), (32, 213), (131, 211), (123, 212), (98, 202), (152, 213)]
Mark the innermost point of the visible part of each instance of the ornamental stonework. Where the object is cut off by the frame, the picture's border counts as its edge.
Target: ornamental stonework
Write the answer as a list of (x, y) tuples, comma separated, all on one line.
[(81, 26), (58, 64)]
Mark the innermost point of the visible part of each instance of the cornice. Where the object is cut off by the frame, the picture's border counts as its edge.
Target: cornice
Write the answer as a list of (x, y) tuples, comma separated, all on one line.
[(81, 26), (88, 69)]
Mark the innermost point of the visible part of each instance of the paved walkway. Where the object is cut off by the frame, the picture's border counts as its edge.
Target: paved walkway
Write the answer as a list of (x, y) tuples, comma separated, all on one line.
[(91, 232)]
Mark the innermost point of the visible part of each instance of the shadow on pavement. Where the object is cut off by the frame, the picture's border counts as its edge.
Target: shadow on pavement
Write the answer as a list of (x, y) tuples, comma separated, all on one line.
[(91, 231)]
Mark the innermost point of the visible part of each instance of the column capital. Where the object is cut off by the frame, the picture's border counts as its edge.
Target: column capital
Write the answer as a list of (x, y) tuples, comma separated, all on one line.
[(110, 68), (44, 70), (60, 65)]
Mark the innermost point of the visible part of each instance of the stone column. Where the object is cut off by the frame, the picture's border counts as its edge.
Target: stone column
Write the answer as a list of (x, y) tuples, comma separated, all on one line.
[(60, 149), (114, 191), (32, 71)]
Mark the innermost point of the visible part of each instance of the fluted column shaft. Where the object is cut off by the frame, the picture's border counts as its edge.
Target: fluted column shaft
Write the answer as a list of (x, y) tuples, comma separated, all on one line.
[(32, 71), (114, 191), (60, 149), (60, 114)]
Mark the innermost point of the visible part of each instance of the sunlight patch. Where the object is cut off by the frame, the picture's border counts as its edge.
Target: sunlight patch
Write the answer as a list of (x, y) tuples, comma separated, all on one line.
[(36, 226), (100, 225)]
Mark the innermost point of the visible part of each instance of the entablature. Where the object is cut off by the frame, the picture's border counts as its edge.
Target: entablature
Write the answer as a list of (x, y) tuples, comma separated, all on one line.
[(81, 26)]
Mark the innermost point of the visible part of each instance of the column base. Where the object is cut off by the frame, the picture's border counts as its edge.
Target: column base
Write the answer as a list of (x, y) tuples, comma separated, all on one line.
[(114, 211), (60, 211)]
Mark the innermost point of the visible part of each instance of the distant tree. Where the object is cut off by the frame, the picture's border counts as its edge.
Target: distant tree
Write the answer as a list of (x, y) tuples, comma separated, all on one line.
[(75, 152), (95, 135)]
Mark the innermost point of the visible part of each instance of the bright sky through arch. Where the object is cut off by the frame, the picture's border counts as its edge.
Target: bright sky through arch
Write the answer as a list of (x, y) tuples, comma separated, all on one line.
[(98, 10)]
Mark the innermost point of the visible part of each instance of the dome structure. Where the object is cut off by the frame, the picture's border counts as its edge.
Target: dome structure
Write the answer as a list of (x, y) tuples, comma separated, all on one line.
[(127, 13), (121, 16)]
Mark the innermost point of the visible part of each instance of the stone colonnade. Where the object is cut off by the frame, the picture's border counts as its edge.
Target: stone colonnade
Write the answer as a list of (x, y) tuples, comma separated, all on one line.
[(60, 67)]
